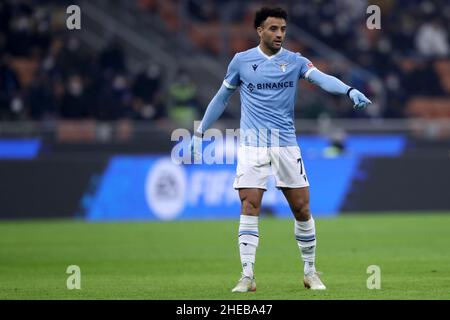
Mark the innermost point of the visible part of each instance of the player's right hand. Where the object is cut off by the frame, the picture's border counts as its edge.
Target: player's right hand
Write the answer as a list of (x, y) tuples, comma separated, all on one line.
[(196, 148)]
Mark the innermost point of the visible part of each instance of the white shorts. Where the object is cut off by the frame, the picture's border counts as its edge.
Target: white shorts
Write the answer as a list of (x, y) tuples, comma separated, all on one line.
[(256, 164)]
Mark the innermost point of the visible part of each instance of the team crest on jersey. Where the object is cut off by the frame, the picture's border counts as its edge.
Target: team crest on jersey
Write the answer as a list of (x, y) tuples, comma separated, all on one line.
[(283, 66)]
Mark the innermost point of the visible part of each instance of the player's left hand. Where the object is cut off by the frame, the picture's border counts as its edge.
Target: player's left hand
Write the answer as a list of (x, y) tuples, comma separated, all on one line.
[(360, 100)]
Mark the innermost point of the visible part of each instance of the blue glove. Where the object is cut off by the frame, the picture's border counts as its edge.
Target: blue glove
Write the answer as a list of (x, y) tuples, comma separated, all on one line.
[(360, 100), (196, 148)]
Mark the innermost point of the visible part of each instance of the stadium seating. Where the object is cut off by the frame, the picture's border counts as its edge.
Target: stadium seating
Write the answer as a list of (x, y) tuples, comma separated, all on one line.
[(429, 108), (48, 55)]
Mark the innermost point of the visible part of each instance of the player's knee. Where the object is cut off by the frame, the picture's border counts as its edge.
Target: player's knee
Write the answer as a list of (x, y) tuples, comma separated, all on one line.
[(301, 210), (250, 205)]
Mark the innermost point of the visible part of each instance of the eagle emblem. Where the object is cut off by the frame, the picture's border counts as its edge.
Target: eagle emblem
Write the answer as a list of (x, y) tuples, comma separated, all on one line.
[(283, 66)]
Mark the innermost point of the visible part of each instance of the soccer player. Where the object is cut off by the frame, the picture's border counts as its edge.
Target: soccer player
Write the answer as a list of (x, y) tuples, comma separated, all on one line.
[(267, 77)]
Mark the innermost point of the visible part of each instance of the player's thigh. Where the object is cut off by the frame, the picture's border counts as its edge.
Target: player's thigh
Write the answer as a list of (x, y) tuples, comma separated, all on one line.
[(298, 199), (251, 199), (253, 168)]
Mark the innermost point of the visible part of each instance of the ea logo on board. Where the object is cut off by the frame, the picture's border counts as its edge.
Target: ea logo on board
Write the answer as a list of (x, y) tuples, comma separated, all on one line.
[(165, 189)]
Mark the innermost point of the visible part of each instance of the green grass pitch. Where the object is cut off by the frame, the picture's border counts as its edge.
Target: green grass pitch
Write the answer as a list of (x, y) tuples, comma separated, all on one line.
[(200, 260)]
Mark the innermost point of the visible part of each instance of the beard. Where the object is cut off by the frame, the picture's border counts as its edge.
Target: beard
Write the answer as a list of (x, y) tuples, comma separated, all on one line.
[(272, 46)]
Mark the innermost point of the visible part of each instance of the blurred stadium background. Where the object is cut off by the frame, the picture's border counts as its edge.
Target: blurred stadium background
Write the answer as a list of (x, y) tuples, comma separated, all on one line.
[(86, 115)]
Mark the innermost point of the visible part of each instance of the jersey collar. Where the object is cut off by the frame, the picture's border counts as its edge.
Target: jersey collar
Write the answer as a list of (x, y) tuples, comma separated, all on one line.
[(272, 56)]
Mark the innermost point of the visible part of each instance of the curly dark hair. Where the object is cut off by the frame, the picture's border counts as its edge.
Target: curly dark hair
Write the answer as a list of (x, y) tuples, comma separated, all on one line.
[(265, 12)]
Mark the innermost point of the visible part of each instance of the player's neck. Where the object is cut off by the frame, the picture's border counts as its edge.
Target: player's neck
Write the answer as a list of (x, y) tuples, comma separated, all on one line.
[(268, 51)]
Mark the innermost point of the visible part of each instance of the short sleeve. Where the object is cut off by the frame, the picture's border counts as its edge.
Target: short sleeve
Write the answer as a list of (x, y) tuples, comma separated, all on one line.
[(232, 79), (306, 66)]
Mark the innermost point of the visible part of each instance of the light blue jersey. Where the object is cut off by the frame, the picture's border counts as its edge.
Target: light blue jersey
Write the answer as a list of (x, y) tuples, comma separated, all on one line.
[(268, 88)]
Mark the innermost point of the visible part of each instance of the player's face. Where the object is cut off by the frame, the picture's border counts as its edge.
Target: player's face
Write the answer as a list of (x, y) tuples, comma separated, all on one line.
[(272, 33)]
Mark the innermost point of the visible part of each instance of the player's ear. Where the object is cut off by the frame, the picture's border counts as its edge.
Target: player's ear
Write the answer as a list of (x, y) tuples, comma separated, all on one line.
[(259, 30)]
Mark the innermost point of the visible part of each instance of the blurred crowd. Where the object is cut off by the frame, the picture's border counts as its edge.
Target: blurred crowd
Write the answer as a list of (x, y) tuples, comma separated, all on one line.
[(402, 55), (46, 73)]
